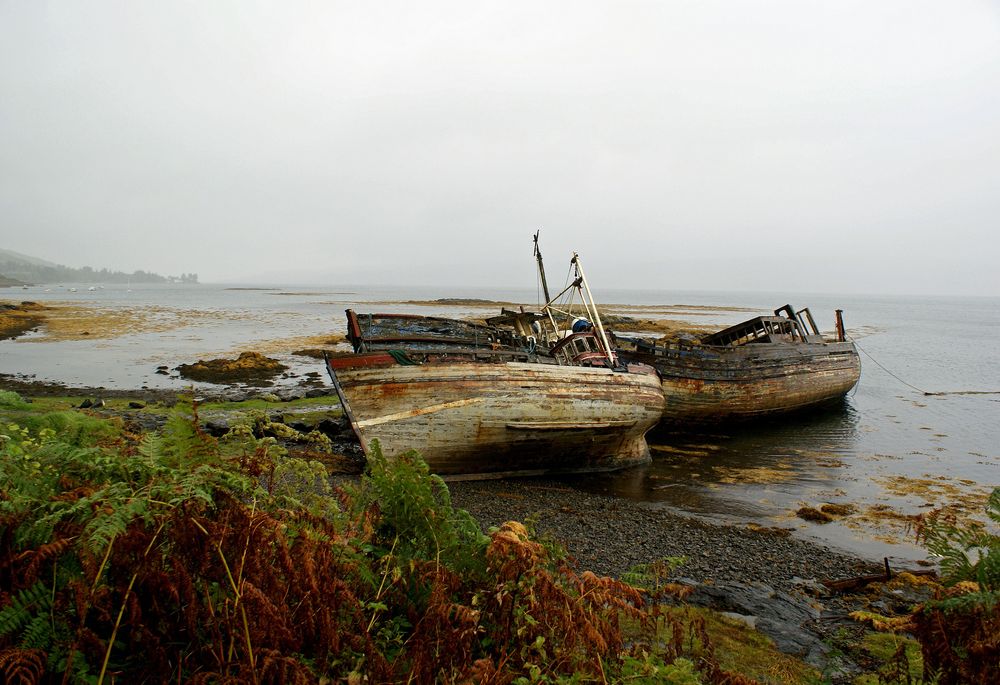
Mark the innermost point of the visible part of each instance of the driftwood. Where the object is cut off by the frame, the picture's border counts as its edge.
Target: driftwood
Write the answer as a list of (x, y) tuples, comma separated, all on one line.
[(861, 581)]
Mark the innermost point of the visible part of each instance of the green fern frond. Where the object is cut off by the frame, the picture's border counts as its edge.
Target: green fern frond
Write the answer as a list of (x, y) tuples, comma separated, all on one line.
[(969, 553), (23, 607), (415, 506), (993, 506), (38, 634), (183, 442), (973, 601)]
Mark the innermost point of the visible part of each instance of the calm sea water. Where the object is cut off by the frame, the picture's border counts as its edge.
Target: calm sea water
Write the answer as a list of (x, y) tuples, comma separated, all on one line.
[(889, 450)]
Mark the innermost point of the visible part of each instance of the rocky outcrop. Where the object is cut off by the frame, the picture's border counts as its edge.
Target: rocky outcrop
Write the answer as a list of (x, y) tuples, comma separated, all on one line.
[(250, 368)]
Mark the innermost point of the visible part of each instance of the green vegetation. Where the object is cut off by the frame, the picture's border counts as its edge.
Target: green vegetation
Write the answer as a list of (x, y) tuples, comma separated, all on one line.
[(900, 656), (178, 556), (959, 632), (296, 406)]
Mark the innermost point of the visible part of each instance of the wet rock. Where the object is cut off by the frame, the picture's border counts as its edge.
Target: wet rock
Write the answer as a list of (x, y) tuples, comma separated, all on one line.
[(781, 616), (163, 370), (901, 594), (147, 422), (135, 404), (810, 586), (289, 394), (217, 427), (317, 392), (332, 428), (750, 621), (86, 404)]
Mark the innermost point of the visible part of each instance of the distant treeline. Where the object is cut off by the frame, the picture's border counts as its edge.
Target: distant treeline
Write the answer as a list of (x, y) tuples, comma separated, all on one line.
[(37, 273)]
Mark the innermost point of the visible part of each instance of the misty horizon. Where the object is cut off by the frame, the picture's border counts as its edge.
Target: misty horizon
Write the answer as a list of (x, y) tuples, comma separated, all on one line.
[(277, 281), (791, 146)]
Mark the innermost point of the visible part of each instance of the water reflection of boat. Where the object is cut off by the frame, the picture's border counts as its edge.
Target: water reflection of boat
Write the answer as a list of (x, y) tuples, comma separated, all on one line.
[(488, 401), (764, 366)]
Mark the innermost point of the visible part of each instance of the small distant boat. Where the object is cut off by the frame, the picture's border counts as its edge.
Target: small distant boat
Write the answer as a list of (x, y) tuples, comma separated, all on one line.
[(72, 290), (481, 401), (761, 367), (91, 288)]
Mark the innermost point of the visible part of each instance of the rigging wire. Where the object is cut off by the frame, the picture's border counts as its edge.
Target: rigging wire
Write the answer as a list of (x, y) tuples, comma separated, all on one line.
[(910, 385)]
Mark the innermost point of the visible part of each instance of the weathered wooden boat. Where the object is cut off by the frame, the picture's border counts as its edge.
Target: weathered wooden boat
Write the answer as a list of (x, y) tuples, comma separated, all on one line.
[(489, 401), (764, 366)]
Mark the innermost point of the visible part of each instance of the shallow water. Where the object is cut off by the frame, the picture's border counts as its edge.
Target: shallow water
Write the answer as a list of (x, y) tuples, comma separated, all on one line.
[(887, 449)]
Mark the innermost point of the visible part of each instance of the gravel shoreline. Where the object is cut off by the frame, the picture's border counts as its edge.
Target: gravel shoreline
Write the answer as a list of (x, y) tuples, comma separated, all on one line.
[(610, 535), (764, 578)]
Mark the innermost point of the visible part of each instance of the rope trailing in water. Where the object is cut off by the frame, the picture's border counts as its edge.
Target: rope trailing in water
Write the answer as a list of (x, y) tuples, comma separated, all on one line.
[(965, 392), (922, 392)]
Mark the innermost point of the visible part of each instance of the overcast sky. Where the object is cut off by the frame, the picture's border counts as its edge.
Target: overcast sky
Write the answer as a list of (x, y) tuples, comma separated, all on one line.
[(839, 146)]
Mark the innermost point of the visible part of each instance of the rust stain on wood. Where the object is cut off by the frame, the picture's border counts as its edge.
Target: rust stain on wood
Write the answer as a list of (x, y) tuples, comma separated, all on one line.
[(491, 419)]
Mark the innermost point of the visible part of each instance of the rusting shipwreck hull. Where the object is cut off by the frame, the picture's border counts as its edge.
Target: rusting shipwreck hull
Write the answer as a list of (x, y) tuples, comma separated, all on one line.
[(478, 401), (764, 366)]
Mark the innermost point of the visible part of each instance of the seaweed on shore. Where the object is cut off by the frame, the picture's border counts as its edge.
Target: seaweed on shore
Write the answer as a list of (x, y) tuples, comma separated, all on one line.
[(18, 319), (251, 368)]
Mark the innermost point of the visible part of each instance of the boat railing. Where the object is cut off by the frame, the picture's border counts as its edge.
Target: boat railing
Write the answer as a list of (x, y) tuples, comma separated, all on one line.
[(368, 332), (407, 356), (757, 329), (382, 342)]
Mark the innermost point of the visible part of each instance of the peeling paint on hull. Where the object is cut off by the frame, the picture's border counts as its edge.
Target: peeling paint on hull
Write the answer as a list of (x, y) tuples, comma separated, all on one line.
[(489, 419), (703, 385)]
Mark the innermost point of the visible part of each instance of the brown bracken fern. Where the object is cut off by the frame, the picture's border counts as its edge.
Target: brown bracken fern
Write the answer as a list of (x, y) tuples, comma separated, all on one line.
[(179, 557)]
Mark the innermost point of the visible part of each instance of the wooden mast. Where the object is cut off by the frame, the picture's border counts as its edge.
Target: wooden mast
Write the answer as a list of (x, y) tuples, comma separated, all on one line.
[(541, 269)]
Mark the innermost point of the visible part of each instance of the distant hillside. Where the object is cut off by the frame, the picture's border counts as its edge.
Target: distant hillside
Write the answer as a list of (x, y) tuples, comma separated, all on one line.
[(8, 282), (23, 268)]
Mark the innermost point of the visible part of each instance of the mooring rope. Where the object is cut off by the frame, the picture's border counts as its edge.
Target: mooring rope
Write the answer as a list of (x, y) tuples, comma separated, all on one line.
[(910, 385)]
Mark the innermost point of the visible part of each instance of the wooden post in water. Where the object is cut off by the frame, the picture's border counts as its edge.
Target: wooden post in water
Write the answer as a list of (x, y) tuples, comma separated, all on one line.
[(841, 335)]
